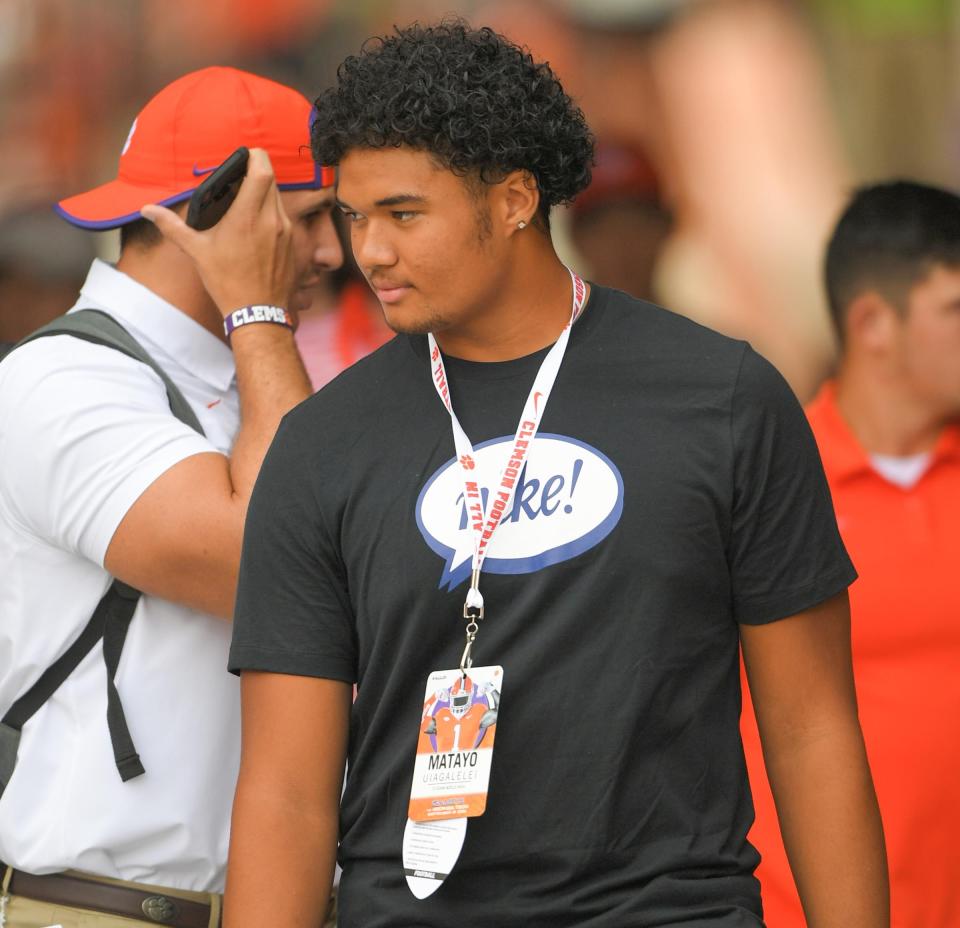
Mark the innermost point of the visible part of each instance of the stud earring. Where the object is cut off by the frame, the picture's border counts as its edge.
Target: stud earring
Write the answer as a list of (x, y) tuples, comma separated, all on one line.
[(521, 224)]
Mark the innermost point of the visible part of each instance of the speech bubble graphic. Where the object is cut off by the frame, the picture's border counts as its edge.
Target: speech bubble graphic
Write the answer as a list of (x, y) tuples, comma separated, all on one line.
[(569, 497)]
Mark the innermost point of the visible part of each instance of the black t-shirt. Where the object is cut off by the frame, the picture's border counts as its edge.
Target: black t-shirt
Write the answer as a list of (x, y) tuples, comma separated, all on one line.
[(674, 490)]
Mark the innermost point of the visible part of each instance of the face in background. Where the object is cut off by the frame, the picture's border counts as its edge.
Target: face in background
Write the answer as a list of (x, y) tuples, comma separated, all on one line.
[(316, 246), (620, 222), (421, 235), (926, 342), (621, 243)]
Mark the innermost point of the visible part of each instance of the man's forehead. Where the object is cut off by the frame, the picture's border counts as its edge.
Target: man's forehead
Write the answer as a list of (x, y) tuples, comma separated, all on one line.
[(373, 175), (939, 277), (307, 199)]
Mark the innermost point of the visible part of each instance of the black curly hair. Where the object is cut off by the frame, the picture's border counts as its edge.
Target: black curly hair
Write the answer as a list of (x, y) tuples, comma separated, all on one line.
[(480, 105)]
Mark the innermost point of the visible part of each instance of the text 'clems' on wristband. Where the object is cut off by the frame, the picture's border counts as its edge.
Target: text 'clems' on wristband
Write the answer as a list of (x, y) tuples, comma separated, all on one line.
[(247, 315)]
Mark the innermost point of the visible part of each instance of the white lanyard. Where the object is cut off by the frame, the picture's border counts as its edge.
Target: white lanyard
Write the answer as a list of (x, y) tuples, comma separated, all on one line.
[(484, 523)]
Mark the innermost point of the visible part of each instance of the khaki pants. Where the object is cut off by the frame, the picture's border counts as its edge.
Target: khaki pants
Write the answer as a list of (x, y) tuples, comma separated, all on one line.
[(21, 912)]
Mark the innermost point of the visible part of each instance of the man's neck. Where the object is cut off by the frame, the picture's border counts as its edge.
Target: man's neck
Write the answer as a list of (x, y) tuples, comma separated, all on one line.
[(528, 311), (884, 418), (171, 275)]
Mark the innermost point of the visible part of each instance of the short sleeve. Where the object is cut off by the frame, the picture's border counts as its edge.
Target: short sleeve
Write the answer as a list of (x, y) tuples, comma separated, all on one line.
[(786, 554), (293, 612), (84, 430)]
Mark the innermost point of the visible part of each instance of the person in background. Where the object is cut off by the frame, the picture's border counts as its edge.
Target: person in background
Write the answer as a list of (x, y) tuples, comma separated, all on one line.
[(104, 492), (331, 338), (620, 223), (888, 429)]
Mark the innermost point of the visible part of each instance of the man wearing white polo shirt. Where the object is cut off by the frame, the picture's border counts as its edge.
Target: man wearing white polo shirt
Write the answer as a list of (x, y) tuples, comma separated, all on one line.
[(99, 480)]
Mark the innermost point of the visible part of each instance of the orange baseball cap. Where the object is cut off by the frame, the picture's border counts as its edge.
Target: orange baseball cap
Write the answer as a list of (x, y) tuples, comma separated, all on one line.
[(191, 127)]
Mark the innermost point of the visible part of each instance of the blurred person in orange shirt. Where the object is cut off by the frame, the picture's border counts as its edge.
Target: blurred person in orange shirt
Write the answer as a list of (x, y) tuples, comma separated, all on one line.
[(888, 428)]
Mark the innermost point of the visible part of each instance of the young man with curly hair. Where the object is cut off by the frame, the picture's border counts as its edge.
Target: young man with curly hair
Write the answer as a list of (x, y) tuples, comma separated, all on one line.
[(594, 499)]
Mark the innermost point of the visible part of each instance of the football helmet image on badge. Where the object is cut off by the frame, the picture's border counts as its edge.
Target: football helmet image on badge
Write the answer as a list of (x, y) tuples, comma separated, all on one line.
[(457, 718)]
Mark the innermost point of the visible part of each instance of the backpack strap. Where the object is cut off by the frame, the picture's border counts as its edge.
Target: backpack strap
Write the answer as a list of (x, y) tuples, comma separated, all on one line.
[(119, 614), (93, 325), (114, 611), (111, 619)]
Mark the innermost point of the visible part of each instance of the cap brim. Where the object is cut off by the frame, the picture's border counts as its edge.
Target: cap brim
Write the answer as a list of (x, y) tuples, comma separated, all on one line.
[(115, 204)]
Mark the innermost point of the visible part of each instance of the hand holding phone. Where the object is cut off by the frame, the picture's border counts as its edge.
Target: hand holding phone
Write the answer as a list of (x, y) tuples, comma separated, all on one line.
[(212, 199), (246, 258)]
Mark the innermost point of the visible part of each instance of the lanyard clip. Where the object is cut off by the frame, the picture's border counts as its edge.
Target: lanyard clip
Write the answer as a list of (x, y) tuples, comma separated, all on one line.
[(473, 606), (473, 612), (466, 661)]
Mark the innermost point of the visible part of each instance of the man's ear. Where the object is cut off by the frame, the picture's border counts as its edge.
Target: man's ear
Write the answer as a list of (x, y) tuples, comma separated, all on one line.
[(871, 321), (516, 201)]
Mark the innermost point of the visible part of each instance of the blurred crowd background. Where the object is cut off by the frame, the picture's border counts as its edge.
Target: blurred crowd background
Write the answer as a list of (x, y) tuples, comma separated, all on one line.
[(730, 131)]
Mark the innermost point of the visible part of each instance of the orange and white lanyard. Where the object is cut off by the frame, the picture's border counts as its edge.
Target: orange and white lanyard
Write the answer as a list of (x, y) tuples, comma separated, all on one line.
[(483, 522)]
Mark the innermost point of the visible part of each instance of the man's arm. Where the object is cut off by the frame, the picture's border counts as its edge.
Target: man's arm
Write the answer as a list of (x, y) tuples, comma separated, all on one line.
[(801, 681), (285, 814), (181, 539)]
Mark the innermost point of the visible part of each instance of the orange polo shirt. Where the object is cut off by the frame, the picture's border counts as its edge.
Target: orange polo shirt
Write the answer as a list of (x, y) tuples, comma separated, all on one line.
[(905, 544)]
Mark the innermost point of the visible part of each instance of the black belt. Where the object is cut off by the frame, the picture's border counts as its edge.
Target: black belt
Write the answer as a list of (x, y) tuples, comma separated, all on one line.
[(87, 893)]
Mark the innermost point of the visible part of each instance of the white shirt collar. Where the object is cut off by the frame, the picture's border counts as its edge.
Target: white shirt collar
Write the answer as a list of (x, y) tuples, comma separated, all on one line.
[(906, 471), (168, 334)]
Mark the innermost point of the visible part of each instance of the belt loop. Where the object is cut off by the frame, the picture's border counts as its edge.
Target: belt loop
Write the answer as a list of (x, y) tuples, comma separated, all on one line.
[(4, 896), (215, 903)]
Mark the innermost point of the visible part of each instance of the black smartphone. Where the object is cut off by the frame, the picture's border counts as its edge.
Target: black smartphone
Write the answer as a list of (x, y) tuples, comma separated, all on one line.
[(213, 197)]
